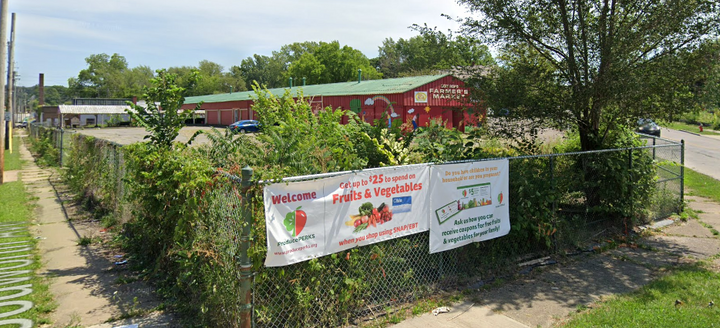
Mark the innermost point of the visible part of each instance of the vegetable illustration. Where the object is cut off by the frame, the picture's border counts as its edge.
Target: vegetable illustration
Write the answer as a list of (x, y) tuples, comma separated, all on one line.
[(369, 216), (365, 208), (295, 221)]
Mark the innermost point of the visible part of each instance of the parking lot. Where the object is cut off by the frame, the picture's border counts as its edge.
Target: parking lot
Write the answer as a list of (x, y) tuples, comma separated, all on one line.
[(130, 135)]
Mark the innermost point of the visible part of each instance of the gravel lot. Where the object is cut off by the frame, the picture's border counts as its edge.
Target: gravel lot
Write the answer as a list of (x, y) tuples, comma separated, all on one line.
[(130, 135)]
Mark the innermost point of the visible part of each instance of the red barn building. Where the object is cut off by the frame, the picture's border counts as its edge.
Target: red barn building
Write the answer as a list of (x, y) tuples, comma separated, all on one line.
[(423, 97)]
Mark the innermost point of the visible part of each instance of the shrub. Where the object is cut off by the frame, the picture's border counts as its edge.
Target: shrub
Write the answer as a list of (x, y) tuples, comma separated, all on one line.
[(44, 148), (93, 171)]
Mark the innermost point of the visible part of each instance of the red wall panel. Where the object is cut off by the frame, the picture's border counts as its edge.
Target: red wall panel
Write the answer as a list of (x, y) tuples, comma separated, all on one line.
[(443, 96), (226, 117)]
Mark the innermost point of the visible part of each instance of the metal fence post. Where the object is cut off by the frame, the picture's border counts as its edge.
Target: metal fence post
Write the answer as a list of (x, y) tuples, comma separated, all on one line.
[(554, 204), (682, 175), (246, 286), (62, 149), (654, 144), (630, 190)]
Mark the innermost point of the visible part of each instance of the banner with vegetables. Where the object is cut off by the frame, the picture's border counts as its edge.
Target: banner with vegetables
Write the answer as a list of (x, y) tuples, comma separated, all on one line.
[(345, 211), (468, 203), (377, 205)]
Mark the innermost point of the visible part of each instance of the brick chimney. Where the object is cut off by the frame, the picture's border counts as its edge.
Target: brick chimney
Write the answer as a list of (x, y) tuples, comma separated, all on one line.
[(41, 90)]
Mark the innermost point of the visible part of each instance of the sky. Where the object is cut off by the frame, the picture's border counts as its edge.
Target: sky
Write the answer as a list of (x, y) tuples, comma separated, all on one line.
[(55, 36)]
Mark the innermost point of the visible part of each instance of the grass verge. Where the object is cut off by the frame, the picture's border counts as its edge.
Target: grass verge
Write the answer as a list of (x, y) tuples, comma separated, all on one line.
[(688, 127), (654, 305), (15, 215), (681, 298), (702, 185), (12, 160)]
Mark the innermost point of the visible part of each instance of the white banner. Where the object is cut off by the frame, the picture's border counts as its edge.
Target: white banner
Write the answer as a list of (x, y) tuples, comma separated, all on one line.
[(468, 203), (294, 224), (320, 217)]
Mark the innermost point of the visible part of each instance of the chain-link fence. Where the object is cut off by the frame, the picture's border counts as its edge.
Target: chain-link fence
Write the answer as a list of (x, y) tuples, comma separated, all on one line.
[(570, 199), (58, 138), (100, 163)]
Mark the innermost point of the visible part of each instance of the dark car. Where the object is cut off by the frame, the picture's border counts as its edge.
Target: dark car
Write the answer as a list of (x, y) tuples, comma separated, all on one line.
[(647, 126), (245, 126)]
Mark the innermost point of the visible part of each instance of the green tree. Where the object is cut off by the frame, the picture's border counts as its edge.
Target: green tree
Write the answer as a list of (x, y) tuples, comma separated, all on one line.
[(292, 52), (707, 86), (429, 52), (102, 77), (271, 71), (211, 79), (135, 79), (109, 77), (330, 63), (265, 70), (162, 116), (611, 60)]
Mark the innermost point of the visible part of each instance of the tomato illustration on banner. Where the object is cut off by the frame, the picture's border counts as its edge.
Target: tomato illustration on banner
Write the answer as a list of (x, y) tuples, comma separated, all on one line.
[(295, 221), (370, 216)]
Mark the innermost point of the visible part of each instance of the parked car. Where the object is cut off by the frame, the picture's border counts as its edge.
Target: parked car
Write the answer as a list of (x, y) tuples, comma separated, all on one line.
[(245, 126), (21, 124), (647, 126)]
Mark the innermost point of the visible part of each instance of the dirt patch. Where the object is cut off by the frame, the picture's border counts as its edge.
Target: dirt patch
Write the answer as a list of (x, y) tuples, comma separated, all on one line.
[(10, 176)]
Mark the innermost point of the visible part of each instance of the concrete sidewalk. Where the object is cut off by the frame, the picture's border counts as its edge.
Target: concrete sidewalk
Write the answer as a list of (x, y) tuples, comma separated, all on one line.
[(543, 299), (84, 283)]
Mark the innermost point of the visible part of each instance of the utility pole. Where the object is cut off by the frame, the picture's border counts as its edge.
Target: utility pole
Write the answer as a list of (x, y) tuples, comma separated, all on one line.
[(11, 81), (3, 55), (11, 72)]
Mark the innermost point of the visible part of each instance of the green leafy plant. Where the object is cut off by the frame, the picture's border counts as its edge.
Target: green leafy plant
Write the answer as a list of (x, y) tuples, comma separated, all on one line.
[(162, 116)]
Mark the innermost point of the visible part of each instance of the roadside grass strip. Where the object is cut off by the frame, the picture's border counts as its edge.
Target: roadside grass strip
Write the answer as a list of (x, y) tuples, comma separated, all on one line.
[(702, 185), (12, 160), (690, 128), (24, 298), (684, 298)]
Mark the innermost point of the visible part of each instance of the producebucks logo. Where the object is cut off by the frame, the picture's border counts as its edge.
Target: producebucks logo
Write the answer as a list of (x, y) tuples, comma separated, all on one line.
[(295, 221)]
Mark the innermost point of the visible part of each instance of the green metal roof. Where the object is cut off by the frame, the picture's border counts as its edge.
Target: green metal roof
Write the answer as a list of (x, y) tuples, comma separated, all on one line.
[(369, 87)]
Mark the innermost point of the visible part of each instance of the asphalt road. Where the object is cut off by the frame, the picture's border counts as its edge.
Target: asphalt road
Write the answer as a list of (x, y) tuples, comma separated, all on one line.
[(702, 152)]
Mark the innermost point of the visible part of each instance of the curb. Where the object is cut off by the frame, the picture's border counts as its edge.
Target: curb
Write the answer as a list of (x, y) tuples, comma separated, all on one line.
[(693, 133)]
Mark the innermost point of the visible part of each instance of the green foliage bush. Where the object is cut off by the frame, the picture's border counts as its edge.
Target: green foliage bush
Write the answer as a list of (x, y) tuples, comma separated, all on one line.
[(44, 148), (94, 172), (164, 187), (294, 140)]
